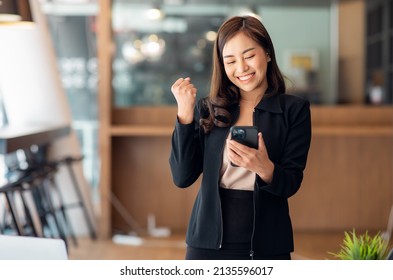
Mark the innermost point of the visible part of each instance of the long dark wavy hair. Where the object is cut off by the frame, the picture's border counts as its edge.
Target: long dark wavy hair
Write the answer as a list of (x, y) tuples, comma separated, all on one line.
[(223, 93)]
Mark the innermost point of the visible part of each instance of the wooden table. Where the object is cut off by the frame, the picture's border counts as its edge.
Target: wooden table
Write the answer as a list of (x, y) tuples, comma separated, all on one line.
[(14, 138)]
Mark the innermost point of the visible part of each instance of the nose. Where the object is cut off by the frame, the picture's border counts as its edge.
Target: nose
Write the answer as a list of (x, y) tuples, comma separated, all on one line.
[(242, 66)]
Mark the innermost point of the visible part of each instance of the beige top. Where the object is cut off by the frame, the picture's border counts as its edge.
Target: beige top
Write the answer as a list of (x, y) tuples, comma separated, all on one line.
[(238, 177)]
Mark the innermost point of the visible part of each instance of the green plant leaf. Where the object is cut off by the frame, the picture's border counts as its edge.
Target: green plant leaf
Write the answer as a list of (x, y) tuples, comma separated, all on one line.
[(362, 247)]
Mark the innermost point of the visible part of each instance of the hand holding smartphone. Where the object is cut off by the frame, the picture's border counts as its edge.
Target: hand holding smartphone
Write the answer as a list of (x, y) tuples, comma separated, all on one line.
[(246, 135)]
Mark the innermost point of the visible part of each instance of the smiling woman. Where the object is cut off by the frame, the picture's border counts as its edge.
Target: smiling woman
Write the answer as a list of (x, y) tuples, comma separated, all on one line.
[(246, 64), (243, 53), (241, 210), (136, 112)]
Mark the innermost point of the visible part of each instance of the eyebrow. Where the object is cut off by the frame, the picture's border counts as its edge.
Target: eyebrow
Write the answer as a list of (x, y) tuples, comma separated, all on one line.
[(247, 50)]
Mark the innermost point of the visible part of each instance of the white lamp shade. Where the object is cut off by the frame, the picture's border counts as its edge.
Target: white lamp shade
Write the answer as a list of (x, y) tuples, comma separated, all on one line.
[(29, 82)]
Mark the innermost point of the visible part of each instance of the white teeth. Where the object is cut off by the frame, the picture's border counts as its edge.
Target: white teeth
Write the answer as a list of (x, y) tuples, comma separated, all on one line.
[(244, 78)]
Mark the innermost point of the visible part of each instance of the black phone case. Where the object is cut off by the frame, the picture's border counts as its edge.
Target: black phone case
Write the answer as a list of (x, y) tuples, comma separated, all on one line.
[(250, 138)]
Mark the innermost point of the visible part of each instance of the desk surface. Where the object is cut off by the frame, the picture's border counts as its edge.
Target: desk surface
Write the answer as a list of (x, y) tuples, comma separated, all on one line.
[(14, 138)]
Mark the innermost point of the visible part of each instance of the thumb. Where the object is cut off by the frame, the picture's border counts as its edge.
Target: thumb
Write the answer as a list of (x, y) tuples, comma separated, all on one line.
[(188, 79)]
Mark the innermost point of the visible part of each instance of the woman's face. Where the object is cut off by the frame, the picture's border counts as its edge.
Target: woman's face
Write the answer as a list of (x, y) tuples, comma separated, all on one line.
[(245, 63)]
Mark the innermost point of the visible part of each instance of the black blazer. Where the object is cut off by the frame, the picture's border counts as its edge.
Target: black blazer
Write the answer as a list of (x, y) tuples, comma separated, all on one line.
[(285, 123)]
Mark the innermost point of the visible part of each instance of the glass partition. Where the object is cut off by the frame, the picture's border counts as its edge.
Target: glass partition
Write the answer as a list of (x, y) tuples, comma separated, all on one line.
[(156, 44), (73, 32)]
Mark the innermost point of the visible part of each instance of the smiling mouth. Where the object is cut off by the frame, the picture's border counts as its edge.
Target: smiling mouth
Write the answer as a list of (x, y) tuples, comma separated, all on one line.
[(245, 78)]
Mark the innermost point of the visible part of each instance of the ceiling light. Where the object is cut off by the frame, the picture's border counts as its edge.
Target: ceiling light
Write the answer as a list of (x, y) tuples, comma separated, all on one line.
[(154, 13), (211, 36)]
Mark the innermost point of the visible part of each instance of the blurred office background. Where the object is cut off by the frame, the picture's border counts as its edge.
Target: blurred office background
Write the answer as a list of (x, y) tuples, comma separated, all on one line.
[(116, 61)]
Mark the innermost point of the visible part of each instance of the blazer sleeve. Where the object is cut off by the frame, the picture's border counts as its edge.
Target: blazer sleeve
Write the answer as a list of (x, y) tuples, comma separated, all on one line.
[(288, 171), (186, 157)]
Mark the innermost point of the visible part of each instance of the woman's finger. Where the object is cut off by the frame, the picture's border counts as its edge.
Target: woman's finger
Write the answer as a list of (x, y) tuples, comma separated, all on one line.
[(181, 83), (177, 84)]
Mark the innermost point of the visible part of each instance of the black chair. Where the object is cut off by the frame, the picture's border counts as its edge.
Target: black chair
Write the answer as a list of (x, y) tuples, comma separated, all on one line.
[(10, 190), (50, 168), (37, 179), (68, 163), (36, 164)]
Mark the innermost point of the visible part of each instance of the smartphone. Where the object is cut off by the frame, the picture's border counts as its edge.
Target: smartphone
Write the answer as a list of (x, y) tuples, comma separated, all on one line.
[(246, 135)]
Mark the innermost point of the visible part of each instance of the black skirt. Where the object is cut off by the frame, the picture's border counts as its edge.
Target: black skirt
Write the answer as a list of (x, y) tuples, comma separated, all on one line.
[(238, 219)]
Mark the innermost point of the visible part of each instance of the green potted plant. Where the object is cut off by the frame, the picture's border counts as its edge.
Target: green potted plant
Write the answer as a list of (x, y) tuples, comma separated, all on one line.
[(362, 247)]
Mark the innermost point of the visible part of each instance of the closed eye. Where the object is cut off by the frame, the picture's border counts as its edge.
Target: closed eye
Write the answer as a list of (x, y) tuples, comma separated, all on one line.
[(251, 56)]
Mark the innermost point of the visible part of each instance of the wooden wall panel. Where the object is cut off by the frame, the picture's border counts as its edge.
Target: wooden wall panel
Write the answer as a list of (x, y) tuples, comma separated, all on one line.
[(143, 183), (351, 60), (345, 115), (348, 183), (145, 115), (104, 52)]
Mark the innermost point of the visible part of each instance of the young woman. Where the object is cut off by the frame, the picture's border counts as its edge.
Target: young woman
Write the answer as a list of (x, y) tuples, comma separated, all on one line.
[(240, 212)]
